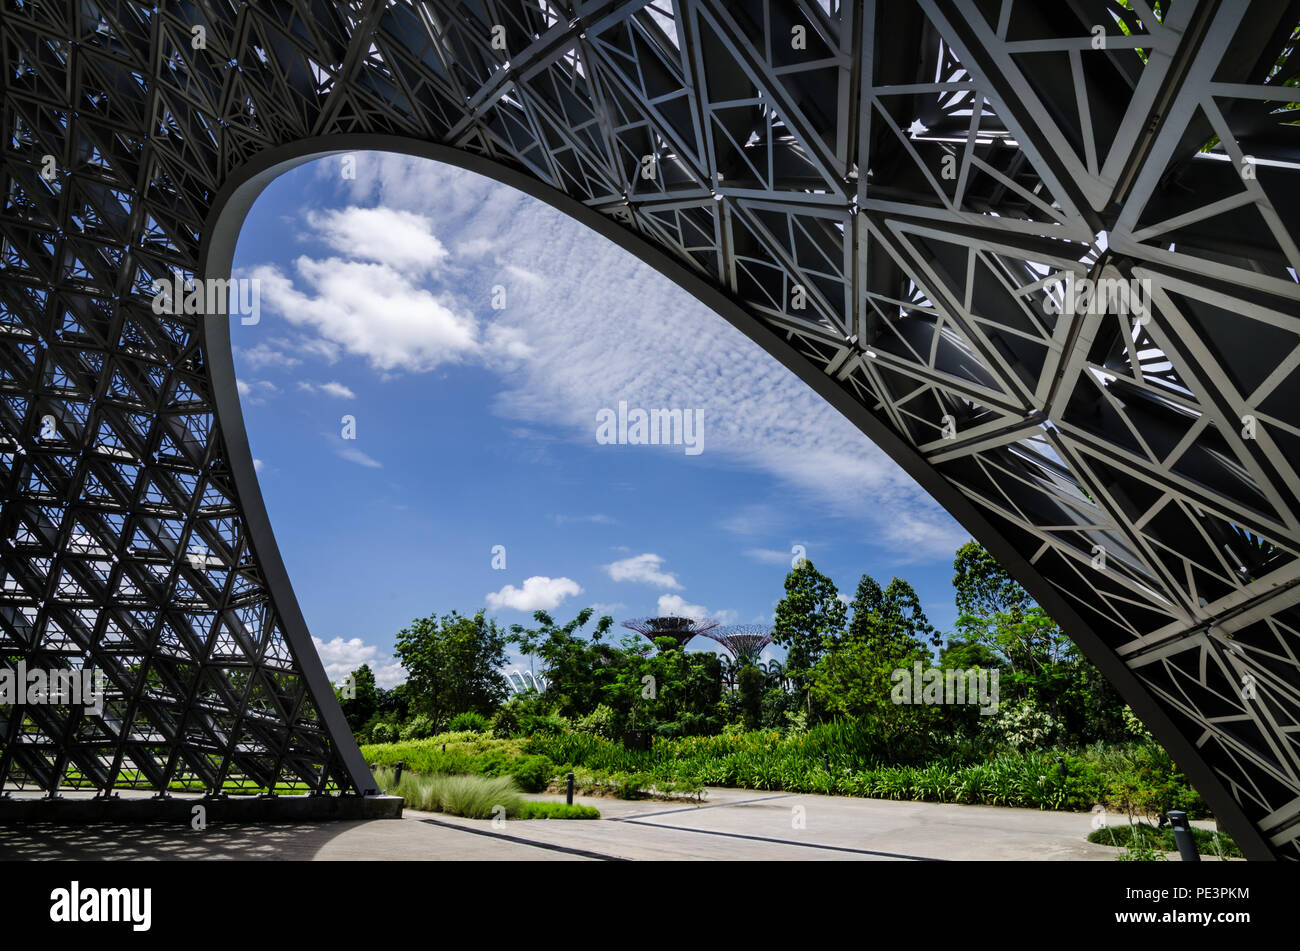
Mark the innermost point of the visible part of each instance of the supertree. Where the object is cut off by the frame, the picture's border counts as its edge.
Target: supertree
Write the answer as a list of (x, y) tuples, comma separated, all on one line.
[(680, 629), (744, 642)]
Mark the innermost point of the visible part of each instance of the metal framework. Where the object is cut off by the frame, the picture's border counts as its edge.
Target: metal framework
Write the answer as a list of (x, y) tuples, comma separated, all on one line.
[(884, 194), (681, 629), (743, 640)]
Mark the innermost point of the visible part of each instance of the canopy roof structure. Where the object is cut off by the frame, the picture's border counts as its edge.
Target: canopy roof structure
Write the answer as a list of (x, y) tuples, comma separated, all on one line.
[(681, 629), (743, 640), (1045, 255)]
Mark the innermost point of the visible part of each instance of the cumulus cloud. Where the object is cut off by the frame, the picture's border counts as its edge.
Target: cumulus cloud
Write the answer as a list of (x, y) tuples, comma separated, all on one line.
[(341, 657), (372, 311), (674, 605), (644, 568), (400, 239), (538, 593)]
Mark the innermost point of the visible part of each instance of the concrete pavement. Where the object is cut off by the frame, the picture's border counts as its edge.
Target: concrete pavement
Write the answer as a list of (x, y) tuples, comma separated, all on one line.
[(730, 824)]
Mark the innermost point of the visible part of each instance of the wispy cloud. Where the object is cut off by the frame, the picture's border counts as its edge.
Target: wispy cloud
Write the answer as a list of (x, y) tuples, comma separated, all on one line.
[(757, 519), (331, 388), (268, 353), (598, 518), (353, 454)]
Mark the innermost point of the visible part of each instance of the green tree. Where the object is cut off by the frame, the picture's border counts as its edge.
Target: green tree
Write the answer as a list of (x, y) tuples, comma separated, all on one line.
[(983, 586), (364, 700), (888, 631), (453, 663), (809, 620), (752, 682), (1042, 669), (578, 671), (892, 616)]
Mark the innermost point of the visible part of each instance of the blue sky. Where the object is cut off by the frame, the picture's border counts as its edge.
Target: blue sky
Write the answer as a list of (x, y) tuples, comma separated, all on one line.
[(475, 426)]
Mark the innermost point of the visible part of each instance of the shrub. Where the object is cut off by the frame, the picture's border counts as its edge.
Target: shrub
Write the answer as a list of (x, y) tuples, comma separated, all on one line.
[(469, 720), (599, 722), (556, 810), (505, 722), (384, 733), (475, 797), (549, 725), (531, 772), (1141, 836), (520, 715), (420, 728)]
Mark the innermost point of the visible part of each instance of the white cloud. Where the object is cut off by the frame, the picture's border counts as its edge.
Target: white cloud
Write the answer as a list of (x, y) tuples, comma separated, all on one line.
[(644, 568), (587, 325), (524, 274), (372, 311), (341, 657), (475, 247), (538, 593), (267, 354), (769, 556), (756, 519), (507, 344), (600, 608), (334, 388), (258, 465), (674, 605), (598, 518), (400, 239), (331, 388), (353, 454), (249, 390)]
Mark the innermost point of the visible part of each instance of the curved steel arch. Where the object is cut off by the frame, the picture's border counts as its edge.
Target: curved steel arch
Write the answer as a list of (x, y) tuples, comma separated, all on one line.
[(914, 173)]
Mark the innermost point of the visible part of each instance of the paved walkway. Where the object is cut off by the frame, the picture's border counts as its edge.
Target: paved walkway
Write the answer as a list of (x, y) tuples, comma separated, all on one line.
[(730, 824)]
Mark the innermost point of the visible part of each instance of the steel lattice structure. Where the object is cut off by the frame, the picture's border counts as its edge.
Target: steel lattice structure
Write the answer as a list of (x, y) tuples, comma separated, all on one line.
[(880, 193), (681, 629), (743, 640)]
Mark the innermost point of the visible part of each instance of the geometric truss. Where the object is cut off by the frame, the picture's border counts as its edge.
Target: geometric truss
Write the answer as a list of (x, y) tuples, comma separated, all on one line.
[(743, 641), (884, 194), (680, 629)]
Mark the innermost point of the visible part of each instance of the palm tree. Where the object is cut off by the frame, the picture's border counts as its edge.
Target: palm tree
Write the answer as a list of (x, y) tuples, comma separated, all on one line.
[(729, 670), (775, 673)]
